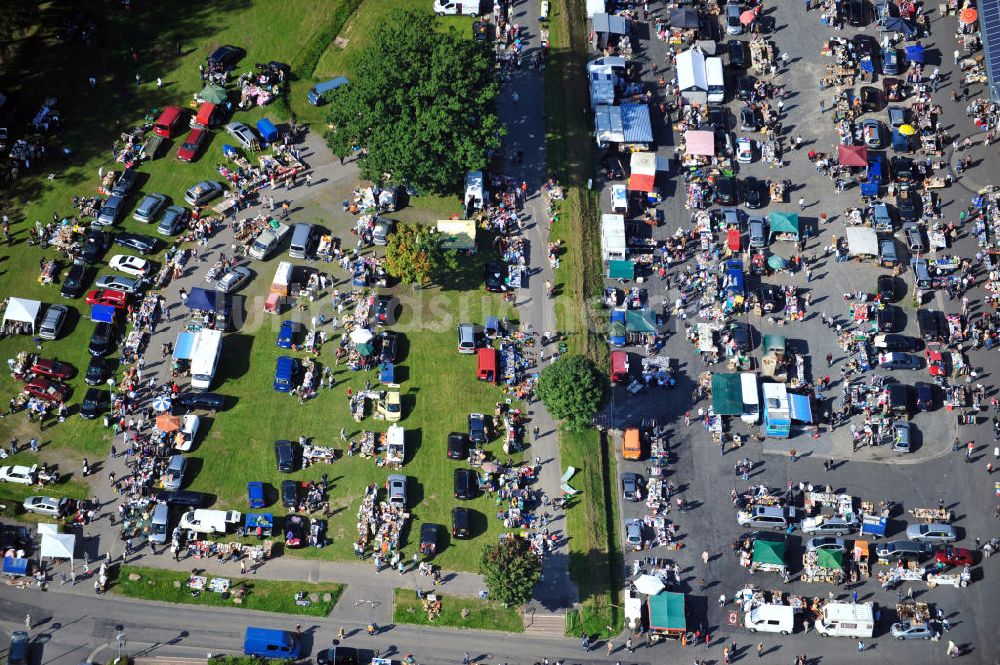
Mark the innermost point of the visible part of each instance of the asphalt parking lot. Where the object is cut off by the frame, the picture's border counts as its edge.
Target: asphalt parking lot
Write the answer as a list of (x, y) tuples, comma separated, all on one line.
[(932, 472)]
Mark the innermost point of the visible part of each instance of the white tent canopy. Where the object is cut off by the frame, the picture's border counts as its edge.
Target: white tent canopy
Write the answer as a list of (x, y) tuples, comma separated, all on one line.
[(56, 545), (691, 72), (361, 335), (22, 310), (862, 240), (649, 585)]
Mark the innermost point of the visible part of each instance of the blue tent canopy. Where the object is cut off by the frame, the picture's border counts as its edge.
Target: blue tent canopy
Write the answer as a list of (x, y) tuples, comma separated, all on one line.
[(205, 300), (184, 345), (915, 53), (636, 123), (102, 313), (267, 130), (897, 24)]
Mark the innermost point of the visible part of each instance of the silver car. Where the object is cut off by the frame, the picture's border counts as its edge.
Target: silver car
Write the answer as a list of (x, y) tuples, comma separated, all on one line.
[(395, 486), (383, 227), (233, 280), (243, 135), (935, 532), (149, 207), (49, 506), (118, 283), (825, 543), (633, 532), (907, 630)]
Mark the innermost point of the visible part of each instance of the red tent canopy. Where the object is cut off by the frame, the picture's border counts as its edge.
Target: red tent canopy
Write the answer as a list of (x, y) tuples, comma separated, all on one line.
[(733, 239), (852, 155)]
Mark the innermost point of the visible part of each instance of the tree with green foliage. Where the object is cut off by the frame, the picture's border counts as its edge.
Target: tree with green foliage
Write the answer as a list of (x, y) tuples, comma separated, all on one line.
[(15, 19), (572, 389), (421, 102), (414, 255), (510, 570)]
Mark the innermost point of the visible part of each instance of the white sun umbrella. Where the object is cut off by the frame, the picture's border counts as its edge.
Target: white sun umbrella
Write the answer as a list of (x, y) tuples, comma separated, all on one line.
[(161, 403), (361, 335), (649, 585)]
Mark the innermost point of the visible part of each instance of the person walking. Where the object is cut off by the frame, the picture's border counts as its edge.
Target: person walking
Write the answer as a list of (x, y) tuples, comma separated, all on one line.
[(585, 643), (760, 650), (861, 646), (829, 360), (27, 621), (611, 647), (628, 645), (802, 203), (705, 557), (341, 634)]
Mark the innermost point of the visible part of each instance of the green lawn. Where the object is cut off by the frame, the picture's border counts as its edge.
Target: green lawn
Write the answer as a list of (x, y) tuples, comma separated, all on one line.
[(481, 614), (263, 595), (439, 386)]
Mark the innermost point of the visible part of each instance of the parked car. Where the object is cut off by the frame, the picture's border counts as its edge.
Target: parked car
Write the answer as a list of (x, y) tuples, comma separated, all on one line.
[(203, 192), (825, 543), (384, 309), (188, 433), (103, 339), (243, 135), (126, 183), (286, 374), (52, 368), (494, 274), (744, 150), (833, 525), (173, 222), (460, 523), (130, 265), (907, 630), (388, 342), (95, 243), (771, 298), (931, 533), (744, 90), (457, 446), (871, 130), (111, 211), (899, 360), (954, 556), (233, 280), (49, 506), (465, 483), (909, 208), (871, 97), (289, 493), (383, 229), (184, 498), (188, 152), (286, 334), (117, 283), (18, 474), (894, 342), (902, 436), (733, 24), (226, 56), (115, 298), (284, 456), (137, 241), (737, 54), (925, 395), (856, 12), (395, 487), (631, 486), (900, 549), (886, 288), (73, 281), (95, 402), (47, 390), (477, 428), (754, 193), (633, 533), (97, 371), (149, 208), (53, 321), (198, 400), (726, 192)]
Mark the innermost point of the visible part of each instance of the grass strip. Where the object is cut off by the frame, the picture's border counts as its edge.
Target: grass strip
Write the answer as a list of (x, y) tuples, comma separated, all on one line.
[(264, 595), (479, 614), (321, 39)]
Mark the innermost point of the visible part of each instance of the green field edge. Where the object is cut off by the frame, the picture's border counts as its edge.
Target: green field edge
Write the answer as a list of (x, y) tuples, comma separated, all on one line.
[(407, 608)]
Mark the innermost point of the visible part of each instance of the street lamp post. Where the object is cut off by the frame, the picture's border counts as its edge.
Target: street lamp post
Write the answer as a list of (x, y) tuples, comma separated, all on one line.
[(122, 650)]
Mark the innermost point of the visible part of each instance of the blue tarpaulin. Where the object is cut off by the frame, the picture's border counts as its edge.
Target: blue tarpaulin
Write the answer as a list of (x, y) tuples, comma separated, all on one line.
[(636, 123), (184, 345), (867, 65), (205, 300), (15, 565), (800, 407), (900, 25), (102, 313)]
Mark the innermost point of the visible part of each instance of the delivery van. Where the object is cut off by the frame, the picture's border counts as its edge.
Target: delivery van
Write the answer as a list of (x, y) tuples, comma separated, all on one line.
[(302, 237), (751, 398), (271, 643), (770, 619), (846, 620), (632, 444), (316, 93), (448, 7), (716, 80)]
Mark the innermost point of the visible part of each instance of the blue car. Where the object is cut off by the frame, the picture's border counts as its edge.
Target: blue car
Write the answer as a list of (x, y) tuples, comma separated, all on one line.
[(286, 334), (286, 374), (255, 494)]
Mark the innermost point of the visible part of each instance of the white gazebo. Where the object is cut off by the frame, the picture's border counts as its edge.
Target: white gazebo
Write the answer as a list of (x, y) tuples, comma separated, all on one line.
[(22, 310), (56, 545)]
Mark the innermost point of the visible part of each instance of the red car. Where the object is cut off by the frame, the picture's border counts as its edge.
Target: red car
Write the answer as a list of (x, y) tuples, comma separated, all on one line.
[(959, 556), (52, 368), (107, 297), (50, 391), (192, 145)]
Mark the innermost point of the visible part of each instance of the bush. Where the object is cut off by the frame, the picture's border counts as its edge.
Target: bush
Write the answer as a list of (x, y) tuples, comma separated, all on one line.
[(573, 389)]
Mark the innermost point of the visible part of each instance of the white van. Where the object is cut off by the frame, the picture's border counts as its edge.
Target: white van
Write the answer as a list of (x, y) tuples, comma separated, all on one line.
[(209, 521), (205, 358), (770, 619), (846, 620), (446, 7), (715, 79), (751, 398)]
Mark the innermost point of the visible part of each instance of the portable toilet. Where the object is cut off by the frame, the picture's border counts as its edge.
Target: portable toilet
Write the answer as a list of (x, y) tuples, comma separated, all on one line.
[(267, 130)]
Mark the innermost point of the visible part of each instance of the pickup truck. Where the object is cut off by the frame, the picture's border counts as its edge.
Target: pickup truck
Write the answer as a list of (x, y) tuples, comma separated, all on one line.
[(267, 241)]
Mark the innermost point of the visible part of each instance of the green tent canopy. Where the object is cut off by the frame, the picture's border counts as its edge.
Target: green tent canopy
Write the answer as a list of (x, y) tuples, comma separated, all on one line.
[(621, 270), (766, 551), (784, 222), (776, 262), (666, 611), (640, 321), (727, 394), (829, 559), (214, 94), (365, 349), (774, 343)]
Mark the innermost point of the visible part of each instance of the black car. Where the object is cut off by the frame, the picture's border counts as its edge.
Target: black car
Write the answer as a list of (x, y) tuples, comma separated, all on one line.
[(477, 428), (338, 655), (887, 288), (384, 309), (284, 456), (97, 371), (871, 99), (754, 193), (460, 523), (718, 117), (726, 191), (749, 120), (481, 31), (771, 298), (740, 334), (95, 243), (226, 56), (744, 88), (493, 276), (95, 402), (289, 493), (902, 169), (103, 340), (208, 401), (737, 53), (465, 484), (125, 184), (925, 395), (185, 498), (296, 529), (387, 346), (886, 318), (909, 208), (74, 281), (867, 46), (137, 241), (857, 12), (457, 446), (930, 325), (14, 536)]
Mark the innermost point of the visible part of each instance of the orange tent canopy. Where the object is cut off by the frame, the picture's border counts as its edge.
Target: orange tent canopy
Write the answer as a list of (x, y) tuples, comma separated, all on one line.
[(168, 423)]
